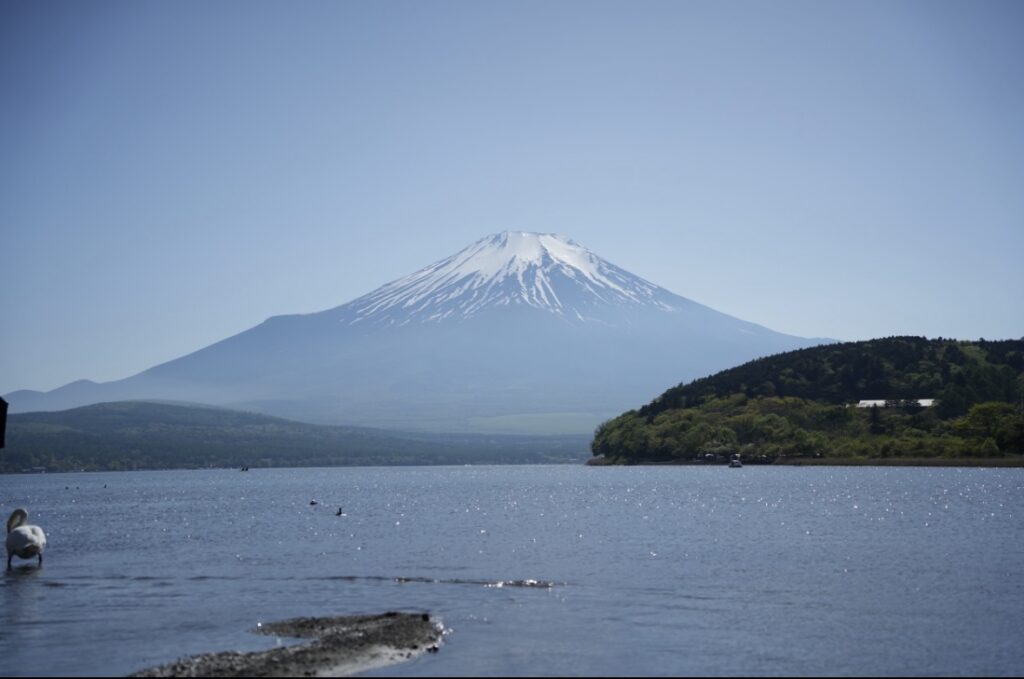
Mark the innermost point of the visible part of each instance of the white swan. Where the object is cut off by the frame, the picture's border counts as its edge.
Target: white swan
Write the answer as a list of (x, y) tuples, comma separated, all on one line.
[(23, 540)]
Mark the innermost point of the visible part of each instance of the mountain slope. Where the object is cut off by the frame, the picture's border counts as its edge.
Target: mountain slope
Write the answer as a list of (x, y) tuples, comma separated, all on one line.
[(517, 330)]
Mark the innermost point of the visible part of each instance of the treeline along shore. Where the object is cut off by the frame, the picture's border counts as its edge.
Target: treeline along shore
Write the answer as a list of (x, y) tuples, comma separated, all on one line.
[(896, 400)]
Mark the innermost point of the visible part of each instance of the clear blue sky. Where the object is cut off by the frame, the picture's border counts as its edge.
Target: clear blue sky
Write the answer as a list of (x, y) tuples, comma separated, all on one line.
[(172, 173)]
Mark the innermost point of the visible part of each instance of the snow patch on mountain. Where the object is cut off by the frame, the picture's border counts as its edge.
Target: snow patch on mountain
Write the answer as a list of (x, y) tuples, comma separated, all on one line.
[(540, 270)]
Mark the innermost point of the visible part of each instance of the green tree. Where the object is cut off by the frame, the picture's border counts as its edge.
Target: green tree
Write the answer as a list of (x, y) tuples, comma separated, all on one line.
[(984, 419)]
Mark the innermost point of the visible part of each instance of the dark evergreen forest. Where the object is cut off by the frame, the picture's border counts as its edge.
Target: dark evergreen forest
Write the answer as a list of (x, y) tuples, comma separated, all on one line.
[(801, 404)]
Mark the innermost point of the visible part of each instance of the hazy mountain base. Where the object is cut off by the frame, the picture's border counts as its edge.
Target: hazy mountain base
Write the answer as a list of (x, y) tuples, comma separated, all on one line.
[(143, 435), (537, 424), (457, 377)]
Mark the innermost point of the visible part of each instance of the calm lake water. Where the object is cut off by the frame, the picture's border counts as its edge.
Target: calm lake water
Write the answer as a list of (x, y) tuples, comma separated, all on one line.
[(652, 570)]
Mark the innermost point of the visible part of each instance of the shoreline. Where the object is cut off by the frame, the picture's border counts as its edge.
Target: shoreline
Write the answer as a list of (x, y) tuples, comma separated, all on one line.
[(1009, 461), (340, 646)]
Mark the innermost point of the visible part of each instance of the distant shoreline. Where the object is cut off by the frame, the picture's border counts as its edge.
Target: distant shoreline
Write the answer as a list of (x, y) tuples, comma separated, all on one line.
[(1008, 461)]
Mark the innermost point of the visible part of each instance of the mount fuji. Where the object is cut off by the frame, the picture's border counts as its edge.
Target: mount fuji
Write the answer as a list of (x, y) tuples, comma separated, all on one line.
[(518, 332)]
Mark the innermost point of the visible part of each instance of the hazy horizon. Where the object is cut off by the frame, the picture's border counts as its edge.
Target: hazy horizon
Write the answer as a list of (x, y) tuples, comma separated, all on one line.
[(175, 173)]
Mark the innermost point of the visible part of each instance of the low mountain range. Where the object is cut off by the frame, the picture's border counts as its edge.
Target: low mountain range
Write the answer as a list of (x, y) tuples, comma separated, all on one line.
[(146, 435), (519, 332)]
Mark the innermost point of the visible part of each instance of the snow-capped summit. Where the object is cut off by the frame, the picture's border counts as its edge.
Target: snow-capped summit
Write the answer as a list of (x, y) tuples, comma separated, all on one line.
[(541, 270)]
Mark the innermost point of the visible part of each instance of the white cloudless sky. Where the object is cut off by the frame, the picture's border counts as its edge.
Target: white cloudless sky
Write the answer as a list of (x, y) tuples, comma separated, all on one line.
[(172, 173)]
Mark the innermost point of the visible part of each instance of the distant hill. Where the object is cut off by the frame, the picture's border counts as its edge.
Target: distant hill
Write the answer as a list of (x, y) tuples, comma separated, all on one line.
[(149, 435), (797, 404)]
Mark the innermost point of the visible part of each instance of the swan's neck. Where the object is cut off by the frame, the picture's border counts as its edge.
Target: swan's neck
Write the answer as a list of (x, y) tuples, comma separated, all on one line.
[(17, 518)]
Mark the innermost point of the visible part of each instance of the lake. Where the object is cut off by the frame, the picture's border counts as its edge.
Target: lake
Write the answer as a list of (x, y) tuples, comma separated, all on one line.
[(640, 570)]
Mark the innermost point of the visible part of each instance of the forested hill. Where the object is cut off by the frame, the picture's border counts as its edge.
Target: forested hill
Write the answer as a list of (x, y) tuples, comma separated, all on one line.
[(957, 373), (798, 404), (148, 435)]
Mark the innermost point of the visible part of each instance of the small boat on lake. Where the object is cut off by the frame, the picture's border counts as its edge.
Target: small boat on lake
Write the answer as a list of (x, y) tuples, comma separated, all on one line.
[(735, 461)]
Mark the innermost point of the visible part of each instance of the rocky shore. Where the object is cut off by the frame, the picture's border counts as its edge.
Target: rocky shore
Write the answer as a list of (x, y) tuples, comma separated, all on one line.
[(340, 646)]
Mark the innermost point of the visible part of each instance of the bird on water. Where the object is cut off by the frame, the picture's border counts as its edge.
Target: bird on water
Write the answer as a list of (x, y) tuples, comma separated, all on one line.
[(24, 540)]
